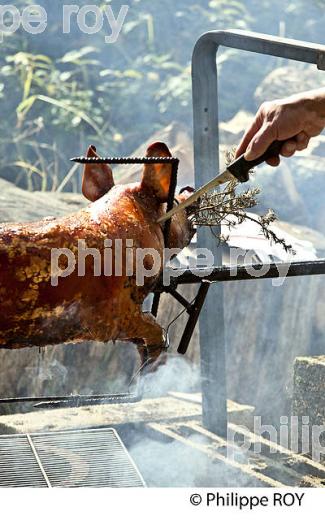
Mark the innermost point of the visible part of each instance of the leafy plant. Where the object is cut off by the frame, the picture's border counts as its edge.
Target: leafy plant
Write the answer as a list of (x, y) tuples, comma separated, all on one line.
[(228, 207)]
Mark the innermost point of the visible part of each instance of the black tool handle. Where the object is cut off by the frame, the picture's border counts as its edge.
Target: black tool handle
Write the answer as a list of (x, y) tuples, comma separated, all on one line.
[(240, 168)]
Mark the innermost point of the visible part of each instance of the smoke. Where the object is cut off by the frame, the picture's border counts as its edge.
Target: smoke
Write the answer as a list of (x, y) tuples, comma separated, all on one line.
[(172, 464), (47, 372), (163, 461), (177, 375)]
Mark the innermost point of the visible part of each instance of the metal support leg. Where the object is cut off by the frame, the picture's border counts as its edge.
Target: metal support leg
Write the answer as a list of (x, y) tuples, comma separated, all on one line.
[(206, 155), (212, 339)]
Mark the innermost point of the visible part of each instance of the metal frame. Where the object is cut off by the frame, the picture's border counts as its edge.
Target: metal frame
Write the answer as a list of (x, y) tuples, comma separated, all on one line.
[(206, 157)]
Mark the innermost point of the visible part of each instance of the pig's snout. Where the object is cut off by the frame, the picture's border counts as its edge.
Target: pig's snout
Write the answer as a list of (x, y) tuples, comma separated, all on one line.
[(183, 195), (181, 229), (187, 188)]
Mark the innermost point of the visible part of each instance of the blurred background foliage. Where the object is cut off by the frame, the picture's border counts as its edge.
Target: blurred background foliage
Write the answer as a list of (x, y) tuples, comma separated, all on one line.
[(61, 92)]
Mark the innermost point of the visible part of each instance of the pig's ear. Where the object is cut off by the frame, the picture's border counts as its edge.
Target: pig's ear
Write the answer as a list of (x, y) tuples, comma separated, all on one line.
[(97, 178), (157, 177)]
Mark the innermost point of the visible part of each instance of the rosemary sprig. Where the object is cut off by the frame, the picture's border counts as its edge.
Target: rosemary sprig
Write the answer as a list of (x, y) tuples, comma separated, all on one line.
[(230, 207)]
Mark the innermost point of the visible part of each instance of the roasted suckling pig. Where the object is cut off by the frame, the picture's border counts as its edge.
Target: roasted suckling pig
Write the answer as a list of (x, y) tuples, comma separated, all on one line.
[(53, 291)]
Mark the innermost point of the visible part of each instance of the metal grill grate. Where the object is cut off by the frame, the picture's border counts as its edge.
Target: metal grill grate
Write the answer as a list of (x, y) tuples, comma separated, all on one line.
[(83, 458)]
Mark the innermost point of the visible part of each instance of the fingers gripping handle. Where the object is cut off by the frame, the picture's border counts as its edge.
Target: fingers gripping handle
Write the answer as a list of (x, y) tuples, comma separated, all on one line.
[(240, 168)]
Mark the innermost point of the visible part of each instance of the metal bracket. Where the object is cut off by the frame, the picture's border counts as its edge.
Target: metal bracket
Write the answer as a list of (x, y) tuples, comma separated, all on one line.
[(193, 309)]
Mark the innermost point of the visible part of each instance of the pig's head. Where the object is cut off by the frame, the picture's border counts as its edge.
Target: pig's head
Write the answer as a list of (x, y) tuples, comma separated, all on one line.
[(156, 179), (155, 183)]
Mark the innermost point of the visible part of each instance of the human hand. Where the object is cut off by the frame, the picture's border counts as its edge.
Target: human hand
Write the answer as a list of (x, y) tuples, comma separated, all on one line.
[(294, 120)]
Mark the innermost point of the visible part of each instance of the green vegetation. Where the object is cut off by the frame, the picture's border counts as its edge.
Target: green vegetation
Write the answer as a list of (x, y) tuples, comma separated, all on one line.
[(60, 92)]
